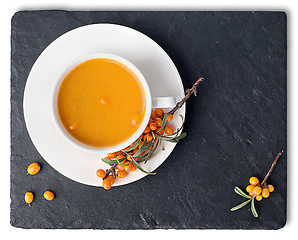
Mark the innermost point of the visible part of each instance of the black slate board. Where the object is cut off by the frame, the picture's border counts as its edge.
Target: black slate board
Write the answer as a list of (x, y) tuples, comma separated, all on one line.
[(235, 126)]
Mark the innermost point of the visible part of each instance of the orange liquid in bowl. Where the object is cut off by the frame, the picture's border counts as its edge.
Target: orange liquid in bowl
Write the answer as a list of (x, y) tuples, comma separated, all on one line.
[(101, 102)]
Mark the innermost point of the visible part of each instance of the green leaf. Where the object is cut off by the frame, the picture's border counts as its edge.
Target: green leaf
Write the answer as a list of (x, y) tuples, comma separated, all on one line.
[(109, 161), (182, 135), (122, 160), (152, 150), (141, 148), (240, 205), (164, 121), (140, 168), (241, 193), (134, 146), (253, 209)]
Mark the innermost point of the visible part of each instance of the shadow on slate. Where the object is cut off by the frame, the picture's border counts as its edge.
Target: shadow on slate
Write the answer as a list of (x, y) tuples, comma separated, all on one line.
[(235, 126)]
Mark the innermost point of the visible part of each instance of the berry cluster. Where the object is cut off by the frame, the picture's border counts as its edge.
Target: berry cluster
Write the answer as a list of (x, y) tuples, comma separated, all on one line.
[(259, 191), (124, 165)]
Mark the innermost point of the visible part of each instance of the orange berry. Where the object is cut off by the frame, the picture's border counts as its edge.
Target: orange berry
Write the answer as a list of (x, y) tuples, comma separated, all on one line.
[(150, 121), (160, 132), (121, 174), (250, 188), (147, 129), (112, 179), (270, 187), (128, 167), (153, 115), (121, 158), (140, 145), (148, 136), (153, 126), (119, 167), (169, 130), (33, 168), (257, 190), (158, 122), (265, 192), (135, 150), (133, 167), (106, 184), (159, 112), (112, 155), (48, 195), (101, 173), (259, 197), (29, 198), (251, 194), (170, 118), (254, 181)]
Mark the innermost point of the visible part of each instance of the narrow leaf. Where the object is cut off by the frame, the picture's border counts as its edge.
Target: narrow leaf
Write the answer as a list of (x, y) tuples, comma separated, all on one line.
[(164, 121), (122, 160), (241, 193), (240, 205), (139, 167), (134, 146), (109, 161), (253, 209), (141, 150)]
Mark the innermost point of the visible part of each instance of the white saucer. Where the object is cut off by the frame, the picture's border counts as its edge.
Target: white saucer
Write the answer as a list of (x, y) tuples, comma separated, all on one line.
[(157, 67)]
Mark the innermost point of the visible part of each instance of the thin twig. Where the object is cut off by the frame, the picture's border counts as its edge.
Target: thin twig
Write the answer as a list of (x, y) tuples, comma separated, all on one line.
[(188, 93), (272, 166), (111, 170)]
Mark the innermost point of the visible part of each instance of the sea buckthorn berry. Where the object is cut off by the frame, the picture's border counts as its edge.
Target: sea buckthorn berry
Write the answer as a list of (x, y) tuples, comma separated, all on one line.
[(140, 145), (147, 129), (159, 112), (112, 155), (270, 187), (153, 126), (158, 122), (150, 121), (169, 130), (121, 174), (119, 167), (111, 178), (259, 197), (257, 190), (153, 115), (250, 188), (101, 173), (170, 118), (252, 194), (48, 195), (254, 181), (160, 132), (120, 157), (128, 158), (106, 184), (133, 167), (135, 150), (128, 167), (265, 192), (33, 168), (29, 198), (149, 137)]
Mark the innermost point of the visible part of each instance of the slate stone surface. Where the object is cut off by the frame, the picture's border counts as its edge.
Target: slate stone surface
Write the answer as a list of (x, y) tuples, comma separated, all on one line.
[(236, 125)]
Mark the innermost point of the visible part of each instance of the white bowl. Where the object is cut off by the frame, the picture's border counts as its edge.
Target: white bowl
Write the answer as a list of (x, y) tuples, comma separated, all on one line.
[(124, 144)]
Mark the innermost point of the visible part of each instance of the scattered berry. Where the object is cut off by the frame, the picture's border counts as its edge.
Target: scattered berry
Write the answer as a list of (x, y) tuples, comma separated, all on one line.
[(48, 195), (33, 168), (29, 198)]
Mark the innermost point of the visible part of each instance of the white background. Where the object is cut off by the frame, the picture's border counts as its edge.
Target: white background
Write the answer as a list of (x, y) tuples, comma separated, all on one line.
[(8, 8)]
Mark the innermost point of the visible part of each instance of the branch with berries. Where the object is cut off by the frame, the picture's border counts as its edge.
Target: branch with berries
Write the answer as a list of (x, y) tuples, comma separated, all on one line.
[(256, 190), (143, 149)]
